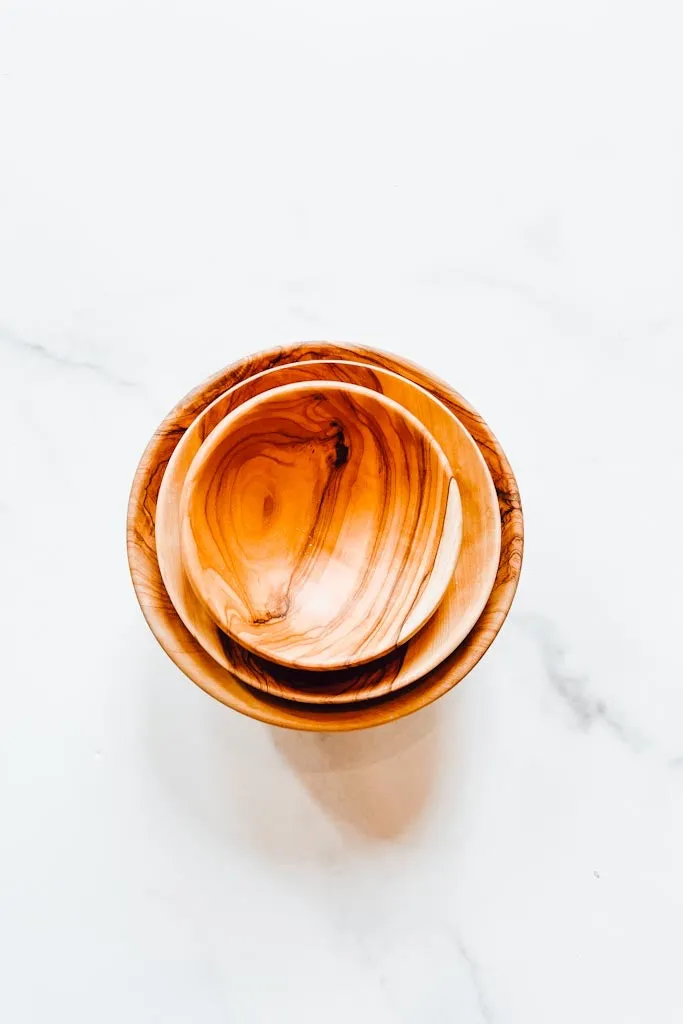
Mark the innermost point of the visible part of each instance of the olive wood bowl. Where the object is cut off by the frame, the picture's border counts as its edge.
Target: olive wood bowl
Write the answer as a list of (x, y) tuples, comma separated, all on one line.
[(468, 588), (320, 525), (215, 680)]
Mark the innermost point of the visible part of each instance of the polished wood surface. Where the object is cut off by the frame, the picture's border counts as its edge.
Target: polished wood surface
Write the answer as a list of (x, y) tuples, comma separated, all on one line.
[(468, 588), (223, 685), (320, 525)]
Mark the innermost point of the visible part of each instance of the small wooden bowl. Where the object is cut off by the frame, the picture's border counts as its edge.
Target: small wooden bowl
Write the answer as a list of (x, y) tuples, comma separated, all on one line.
[(468, 589), (321, 525), (221, 684)]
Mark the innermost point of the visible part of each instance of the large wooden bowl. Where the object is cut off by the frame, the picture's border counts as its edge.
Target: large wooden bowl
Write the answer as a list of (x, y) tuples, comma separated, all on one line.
[(320, 525), (467, 591), (188, 654)]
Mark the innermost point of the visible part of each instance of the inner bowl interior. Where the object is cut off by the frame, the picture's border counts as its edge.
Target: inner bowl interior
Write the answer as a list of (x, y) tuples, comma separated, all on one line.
[(320, 525)]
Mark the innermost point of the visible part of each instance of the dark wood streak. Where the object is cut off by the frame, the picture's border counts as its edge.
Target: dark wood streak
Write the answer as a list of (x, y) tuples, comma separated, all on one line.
[(219, 683), (357, 415), (280, 681), (328, 501), (414, 513)]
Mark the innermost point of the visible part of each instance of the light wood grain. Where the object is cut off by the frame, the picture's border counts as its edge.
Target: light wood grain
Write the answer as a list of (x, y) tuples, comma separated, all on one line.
[(320, 525), (188, 654), (468, 588)]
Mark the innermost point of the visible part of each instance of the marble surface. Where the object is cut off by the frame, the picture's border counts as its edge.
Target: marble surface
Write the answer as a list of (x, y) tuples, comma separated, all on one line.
[(495, 191)]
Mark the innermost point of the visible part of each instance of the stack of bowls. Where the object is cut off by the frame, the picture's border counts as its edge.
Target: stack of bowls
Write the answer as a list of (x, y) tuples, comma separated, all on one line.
[(324, 536)]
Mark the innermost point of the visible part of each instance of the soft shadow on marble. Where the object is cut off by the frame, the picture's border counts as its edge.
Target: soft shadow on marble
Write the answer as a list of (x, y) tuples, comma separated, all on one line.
[(281, 795), (376, 781)]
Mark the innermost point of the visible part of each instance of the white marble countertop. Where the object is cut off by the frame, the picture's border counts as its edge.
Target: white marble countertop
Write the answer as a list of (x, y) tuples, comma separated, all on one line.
[(494, 190)]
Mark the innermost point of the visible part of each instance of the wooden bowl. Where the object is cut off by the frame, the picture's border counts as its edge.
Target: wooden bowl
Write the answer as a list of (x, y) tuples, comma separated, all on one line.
[(193, 660), (320, 525), (468, 588)]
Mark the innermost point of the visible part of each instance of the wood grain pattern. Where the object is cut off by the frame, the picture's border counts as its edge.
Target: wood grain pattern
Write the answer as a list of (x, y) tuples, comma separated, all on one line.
[(468, 588), (320, 525), (191, 658)]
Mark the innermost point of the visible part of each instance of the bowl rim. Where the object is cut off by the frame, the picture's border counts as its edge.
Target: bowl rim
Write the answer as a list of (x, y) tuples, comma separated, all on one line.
[(215, 680), (450, 499), (392, 671)]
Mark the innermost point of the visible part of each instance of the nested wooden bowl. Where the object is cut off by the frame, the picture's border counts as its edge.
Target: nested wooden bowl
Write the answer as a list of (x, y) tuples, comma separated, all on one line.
[(320, 525), (468, 588), (199, 666)]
